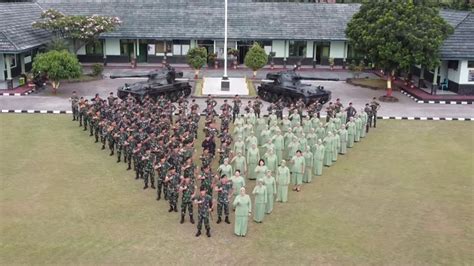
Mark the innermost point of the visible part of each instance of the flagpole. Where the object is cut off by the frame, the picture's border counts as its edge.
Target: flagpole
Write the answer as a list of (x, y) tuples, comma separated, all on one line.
[(225, 40)]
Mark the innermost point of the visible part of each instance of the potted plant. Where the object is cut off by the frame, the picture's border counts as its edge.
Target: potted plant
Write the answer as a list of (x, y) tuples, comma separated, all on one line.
[(331, 63), (211, 58), (271, 55)]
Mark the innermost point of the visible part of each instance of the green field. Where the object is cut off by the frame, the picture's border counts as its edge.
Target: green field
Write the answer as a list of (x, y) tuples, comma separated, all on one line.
[(402, 196)]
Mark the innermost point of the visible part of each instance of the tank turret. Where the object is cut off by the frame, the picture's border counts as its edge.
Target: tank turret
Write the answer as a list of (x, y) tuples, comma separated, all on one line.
[(160, 82), (287, 86)]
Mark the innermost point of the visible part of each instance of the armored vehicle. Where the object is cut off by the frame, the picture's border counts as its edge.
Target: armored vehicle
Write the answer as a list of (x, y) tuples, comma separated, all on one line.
[(160, 82), (287, 86)]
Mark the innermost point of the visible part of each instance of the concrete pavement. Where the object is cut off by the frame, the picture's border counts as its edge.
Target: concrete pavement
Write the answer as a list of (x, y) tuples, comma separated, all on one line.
[(340, 89)]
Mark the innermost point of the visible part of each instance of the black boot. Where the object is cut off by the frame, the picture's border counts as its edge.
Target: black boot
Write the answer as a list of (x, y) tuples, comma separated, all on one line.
[(145, 187), (153, 186), (208, 232), (175, 209), (103, 147), (219, 220), (171, 209), (191, 219), (182, 219), (118, 160), (111, 153), (227, 220), (129, 168), (198, 233)]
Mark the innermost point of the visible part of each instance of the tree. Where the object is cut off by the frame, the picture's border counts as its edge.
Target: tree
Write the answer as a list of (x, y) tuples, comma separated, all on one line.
[(58, 65), (81, 30), (256, 58), (197, 57), (396, 35)]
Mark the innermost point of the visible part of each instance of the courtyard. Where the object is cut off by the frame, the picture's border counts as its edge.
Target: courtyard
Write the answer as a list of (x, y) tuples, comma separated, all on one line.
[(401, 196)]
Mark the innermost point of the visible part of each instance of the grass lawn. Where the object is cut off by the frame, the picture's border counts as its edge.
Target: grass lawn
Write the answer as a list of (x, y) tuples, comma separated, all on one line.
[(401, 196)]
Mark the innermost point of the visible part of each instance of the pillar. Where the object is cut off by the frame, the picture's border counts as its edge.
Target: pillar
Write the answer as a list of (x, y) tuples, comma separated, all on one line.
[(434, 87), (284, 54), (22, 63), (137, 48), (104, 51), (8, 62)]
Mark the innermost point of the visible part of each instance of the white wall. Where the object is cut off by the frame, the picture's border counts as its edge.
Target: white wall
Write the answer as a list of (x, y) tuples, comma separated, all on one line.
[(336, 49), (278, 47), (464, 73), (112, 46), (309, 49), (443, 70), (2, 67), (453, 74)]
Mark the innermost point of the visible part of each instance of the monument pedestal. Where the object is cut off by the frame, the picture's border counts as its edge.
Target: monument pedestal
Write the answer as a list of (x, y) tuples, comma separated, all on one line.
[(225, 84), (225, 87)]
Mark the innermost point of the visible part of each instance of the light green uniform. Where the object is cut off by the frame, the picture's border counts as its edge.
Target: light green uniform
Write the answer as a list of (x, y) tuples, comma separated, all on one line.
[(260, 171), (308, 172), (295, 119), (343, 140), (335, 149), (270, 184), (285, 125), (351, 128), (358, 123), (279, 143), (240, 164), (364, 118), (271, 161), (318, 157), (297, 170), (225, 170), (283, 180), (328, 142), (260, 193), (237, 183), (239, 146), (243, 206), (253, 155)]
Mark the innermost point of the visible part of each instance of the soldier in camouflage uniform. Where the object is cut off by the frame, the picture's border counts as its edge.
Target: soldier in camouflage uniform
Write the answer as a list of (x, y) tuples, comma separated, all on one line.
[(129, 146), (75, 106), (187, 191), (375, 107), (206, 178), (257, 106), (137, 164), (368, 110), (120, 138), (173, 179), (204, 202), (162, 168), (236, 107), (149, 173), (224, 192)]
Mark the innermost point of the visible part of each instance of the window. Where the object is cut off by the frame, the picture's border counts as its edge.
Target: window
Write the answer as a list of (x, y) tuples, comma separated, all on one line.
[(94, 48), (162, 47), (453, 64), (12, 61), (470, 64), (297, 48), (180, 47)]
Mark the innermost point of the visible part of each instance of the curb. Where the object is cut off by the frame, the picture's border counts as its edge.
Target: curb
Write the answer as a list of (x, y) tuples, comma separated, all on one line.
[(417, 100), (378, 117), (18, 94), (37, 111)]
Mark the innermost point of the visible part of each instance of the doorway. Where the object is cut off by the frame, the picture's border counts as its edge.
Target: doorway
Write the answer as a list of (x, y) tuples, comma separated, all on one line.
[(322, 52), (243, 47), (143, 53)]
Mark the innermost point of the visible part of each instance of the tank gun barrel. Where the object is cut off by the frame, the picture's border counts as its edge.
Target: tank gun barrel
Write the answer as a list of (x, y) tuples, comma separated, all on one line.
[(118, 76), (312, 78)]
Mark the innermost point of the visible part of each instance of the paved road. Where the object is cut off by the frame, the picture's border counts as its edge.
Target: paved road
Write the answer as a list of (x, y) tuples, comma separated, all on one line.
[(346, 92)]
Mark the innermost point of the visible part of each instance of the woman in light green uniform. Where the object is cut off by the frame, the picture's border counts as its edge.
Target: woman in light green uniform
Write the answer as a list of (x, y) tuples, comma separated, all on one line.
[(271, 160), (270, 184), (336, 141), (283, 180), (260, 169), (328, 142), (364, 118), (239, 146), (318, 157), (343, 139), (308, 172), (225, 168), (297, 170), (260, 193), (279, 143), (253, 155), (358, 123), (238, 182), (243, 208), (240, 163), (351, 128)]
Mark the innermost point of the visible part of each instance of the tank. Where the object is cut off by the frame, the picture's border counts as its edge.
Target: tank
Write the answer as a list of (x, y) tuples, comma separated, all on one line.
[(160, 82), (287, 85)]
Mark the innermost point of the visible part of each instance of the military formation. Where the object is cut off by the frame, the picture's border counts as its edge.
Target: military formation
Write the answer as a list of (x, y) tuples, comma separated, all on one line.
[(156, 139)]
